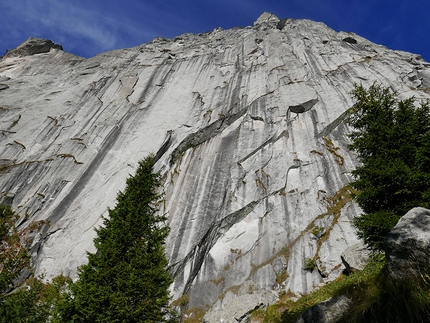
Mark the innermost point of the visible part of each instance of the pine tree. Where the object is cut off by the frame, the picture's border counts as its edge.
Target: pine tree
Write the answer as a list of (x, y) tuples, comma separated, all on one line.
[(126, 279), (392, 140)]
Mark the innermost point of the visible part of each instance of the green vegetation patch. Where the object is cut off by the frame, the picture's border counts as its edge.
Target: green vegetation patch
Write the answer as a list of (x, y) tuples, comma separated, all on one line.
[(288, 310)]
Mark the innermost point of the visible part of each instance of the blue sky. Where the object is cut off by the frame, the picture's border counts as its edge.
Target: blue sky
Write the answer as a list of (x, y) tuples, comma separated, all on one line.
[(89, 27)]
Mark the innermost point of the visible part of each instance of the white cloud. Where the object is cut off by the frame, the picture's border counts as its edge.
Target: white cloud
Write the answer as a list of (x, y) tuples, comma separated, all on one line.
[(62, 21)]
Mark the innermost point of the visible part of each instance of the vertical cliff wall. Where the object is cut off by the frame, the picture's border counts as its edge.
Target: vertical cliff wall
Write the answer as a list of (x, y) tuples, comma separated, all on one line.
[(247, 125)]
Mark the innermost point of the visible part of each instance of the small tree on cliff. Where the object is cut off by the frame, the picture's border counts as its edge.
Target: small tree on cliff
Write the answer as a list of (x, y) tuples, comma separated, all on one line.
[(30, 301), (392, 140), (126, 280), (14, 258)]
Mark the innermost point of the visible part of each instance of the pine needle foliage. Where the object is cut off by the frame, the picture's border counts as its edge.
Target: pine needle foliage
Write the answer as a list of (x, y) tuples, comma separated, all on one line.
[(126, 280), (391, 138), (35, 302)]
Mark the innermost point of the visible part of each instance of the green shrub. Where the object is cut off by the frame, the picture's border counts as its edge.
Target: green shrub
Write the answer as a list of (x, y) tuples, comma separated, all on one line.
[(373, 228), (35, 302), (23, 301), (309, 264), (14, 258), (318, 231)]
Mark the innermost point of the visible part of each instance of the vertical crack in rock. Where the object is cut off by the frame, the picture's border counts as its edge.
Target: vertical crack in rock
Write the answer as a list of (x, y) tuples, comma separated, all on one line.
[(215, 231), (150, 83), (164, 147), (215, 128), (335, 123), (199, 137), (271, 140)]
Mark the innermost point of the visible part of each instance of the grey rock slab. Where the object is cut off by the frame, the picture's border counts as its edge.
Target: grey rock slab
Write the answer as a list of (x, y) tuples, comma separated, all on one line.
[(266, 17)]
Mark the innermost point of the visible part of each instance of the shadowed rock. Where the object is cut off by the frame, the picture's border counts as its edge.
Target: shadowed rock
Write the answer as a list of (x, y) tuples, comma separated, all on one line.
[(303, 107), (326, 312)]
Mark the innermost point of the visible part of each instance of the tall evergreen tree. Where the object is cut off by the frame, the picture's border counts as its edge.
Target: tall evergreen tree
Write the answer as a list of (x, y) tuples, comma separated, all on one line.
[(126, 280), (392, 140)]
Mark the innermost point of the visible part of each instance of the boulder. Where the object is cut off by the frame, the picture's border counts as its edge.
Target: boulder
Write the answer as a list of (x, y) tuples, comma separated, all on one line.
[(356, 256), (407, 246), (266, 17), (329, 311), (238, 307)]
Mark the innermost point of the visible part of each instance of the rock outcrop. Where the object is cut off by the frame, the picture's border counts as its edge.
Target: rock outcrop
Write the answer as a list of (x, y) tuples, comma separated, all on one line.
[(248, 129), (407, 246), (238, 306), (355, 257), (33, 46)]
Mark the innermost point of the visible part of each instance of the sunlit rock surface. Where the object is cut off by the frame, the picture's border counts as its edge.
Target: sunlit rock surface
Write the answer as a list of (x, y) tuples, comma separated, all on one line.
[(407, 246), (247, 125)]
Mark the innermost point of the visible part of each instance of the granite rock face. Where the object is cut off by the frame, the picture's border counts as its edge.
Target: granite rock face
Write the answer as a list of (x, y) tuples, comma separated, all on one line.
[(248, 129)]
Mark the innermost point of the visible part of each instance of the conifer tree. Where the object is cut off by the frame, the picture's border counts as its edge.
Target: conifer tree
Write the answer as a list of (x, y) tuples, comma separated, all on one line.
[(392, 140), (126, 279)]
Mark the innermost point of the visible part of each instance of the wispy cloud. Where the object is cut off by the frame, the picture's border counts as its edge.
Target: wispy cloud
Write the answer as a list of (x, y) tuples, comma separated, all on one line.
[(64, 21), (90, 27)]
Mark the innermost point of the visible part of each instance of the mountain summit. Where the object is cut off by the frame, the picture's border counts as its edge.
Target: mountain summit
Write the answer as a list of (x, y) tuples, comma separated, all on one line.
[(33, 46), (247, 126)]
